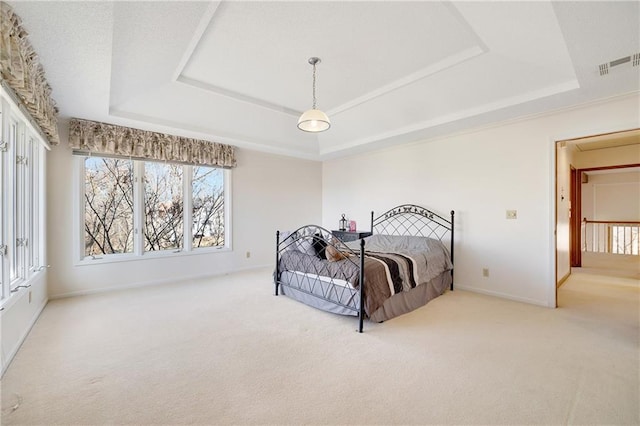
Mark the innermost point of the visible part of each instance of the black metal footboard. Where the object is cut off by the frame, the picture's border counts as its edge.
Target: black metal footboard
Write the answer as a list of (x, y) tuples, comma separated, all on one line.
[(317, 268)]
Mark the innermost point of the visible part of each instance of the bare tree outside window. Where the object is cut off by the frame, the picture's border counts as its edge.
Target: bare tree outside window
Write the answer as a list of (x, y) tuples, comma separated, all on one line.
[(108, 198), (163, 206), (110, 207), (208, 207)]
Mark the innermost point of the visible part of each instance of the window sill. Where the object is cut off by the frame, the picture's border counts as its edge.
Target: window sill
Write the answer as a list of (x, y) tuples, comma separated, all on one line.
[(18, 292), (117, 258)]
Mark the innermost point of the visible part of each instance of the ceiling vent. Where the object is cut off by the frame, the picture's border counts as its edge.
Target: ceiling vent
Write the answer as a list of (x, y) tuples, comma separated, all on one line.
[(634, 60)]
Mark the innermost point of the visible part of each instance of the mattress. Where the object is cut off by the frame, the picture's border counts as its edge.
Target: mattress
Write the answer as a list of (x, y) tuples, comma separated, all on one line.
[(312, 290)]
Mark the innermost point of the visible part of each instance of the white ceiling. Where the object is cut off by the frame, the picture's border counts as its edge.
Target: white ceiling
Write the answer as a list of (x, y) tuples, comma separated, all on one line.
[(391, 72)]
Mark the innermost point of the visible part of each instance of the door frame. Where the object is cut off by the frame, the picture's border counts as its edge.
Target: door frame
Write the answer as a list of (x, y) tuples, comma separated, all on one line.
[(554, 141), (575, 228), (575, 221)]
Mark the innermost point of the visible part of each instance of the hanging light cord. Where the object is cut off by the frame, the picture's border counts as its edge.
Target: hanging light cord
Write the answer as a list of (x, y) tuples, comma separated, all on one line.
[(314, 85)]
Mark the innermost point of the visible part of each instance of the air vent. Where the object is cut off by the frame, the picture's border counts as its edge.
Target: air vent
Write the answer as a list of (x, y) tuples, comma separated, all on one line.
[(604, 69), (634, 60)]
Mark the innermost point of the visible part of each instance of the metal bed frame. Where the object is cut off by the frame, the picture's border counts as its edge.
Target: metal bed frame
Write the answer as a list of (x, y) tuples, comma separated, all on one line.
[(406, 219)]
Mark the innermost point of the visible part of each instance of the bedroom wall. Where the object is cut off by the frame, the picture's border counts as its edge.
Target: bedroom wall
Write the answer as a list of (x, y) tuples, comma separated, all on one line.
[(266, 195), (480, 175), (612, 196)]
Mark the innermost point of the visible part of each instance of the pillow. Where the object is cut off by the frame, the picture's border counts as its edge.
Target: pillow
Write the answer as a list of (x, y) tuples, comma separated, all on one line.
[(333, 254), (320, 246), (290, 243), (305, 245), (397, 243)]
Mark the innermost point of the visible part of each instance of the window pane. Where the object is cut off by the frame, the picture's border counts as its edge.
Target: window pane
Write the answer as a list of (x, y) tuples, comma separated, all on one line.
[(34, 207), (4, 211), (163, 206), (14, 205), (208, 207), (108, 222)]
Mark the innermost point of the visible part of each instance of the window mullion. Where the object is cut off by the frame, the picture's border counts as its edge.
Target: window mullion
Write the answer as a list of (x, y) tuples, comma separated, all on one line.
[(187, 194), (78, 207), (138, 208), (227, 209), (11, 202)]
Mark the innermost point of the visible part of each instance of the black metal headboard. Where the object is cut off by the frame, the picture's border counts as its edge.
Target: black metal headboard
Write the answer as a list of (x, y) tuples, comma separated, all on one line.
[(410, 219)]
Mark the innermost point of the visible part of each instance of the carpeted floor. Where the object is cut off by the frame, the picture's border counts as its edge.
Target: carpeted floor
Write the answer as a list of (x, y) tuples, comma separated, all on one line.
[(620, 265), (226, 351)]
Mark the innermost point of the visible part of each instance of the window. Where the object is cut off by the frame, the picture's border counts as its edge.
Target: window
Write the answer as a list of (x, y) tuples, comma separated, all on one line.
[(21, 174), (133, 208), (163, 206), (208, 207), (108, 206)]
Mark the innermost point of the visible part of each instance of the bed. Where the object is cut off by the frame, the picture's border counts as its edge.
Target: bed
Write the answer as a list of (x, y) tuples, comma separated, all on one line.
[(405, 263)]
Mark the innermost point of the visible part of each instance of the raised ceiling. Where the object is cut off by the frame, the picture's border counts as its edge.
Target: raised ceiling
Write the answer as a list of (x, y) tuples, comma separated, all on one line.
[(391, 72)]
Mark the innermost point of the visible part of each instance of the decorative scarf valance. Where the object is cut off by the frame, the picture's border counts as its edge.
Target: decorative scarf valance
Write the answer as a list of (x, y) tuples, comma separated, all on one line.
[(23, 73), (92, 137)]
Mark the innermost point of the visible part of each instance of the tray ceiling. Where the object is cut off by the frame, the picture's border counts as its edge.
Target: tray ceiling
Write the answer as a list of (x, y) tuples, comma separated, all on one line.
[(391, 72)]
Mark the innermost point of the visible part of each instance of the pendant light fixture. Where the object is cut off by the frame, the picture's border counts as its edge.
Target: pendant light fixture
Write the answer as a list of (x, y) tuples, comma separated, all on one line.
[(314, 120)]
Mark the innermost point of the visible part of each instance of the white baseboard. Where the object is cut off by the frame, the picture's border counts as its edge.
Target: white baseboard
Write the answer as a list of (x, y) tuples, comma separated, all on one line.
[(501, 295), (17, 346), (150, 283)]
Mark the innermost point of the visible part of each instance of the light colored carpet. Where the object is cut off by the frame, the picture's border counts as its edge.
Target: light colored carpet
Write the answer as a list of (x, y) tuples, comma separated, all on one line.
[(226, 351), (620, 265)]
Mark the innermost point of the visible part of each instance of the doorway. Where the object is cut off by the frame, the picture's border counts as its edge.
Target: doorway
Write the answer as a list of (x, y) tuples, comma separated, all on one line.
[(575, 160)]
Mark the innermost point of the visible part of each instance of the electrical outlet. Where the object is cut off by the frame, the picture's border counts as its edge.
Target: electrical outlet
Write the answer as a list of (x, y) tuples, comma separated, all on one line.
[(512, 214), (248, 254), (485, 272)]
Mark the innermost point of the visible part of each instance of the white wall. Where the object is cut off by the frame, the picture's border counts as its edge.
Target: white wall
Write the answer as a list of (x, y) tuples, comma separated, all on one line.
[(480, 175), (612, 196), (268, 192)]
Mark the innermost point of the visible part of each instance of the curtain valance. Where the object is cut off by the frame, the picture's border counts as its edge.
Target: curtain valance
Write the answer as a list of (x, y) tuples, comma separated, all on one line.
[(93, 137), (23, 73)]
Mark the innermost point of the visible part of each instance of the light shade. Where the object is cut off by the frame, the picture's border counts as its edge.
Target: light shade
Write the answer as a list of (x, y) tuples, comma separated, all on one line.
[(314, 121)]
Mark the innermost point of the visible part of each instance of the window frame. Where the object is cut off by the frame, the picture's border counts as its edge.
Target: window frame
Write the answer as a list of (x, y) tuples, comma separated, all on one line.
[(138, 252), (22, 188)]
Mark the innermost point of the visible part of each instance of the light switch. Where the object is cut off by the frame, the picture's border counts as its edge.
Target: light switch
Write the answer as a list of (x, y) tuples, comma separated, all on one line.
[(512, 214)]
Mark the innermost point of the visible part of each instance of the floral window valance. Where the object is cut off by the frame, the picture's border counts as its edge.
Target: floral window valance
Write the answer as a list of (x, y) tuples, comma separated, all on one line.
[(91, 137), (23, 73)]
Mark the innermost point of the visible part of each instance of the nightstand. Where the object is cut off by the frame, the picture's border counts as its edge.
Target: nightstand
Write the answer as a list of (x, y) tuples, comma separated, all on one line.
[(350, 236)]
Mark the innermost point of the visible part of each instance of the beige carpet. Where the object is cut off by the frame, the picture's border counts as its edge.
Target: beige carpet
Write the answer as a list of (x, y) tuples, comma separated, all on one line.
[(621, 265), (227, 351)]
